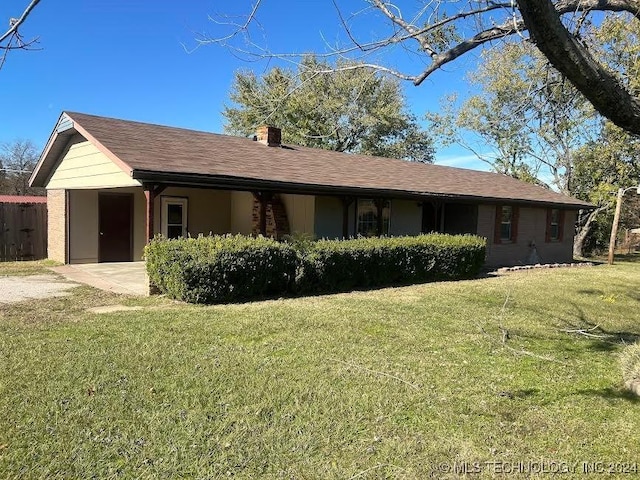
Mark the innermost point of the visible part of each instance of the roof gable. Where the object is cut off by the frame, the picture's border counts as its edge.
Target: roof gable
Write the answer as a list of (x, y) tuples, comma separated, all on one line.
[(83, 165), (65, 135)]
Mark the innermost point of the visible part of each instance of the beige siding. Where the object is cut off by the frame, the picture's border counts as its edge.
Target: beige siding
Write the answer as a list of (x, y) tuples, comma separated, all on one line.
[(84, 166), (57, 225), (208, 210), (300, 212), (83, 226), (241, 212), (139, 223), (328, 217), (530, 245), (406, 217), (139, 220)]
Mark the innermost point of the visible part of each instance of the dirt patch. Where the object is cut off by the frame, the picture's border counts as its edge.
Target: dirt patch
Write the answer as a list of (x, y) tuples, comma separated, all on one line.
[(19, 288), (112, 308)]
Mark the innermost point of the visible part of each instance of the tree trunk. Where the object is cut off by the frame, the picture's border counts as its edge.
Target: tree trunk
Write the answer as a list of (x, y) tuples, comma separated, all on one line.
[(583, 232), (573, 60)]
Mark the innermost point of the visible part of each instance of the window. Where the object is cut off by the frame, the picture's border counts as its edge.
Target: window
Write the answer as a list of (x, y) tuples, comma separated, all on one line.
[(505, 223), (555, 219), (506, 227), (367, 217), (174, 217)]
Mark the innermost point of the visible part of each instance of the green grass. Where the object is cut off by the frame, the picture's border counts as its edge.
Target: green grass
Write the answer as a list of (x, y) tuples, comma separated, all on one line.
[(27, 268), (382, 384)]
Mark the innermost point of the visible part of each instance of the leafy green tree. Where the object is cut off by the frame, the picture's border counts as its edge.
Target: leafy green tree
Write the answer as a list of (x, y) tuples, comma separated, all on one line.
[(544, 131), (438, 32), (349, 110), (525, 122), (600, 168)]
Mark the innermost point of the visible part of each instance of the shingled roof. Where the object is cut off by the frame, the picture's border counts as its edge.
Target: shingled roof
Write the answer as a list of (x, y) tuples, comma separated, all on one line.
[(161, 154)]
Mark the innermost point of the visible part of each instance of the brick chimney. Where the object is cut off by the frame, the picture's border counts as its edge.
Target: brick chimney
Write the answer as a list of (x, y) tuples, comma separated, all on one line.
[(270, 136)]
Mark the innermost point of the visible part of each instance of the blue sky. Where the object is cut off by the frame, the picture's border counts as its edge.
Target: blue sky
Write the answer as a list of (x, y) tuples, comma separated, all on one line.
[(135, 59)]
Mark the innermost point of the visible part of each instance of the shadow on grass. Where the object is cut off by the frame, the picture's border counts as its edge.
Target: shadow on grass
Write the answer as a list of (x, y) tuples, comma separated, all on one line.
[(627, 257), (602, 340), (528, 392), (609, 393), (619, 257), (591, 291)]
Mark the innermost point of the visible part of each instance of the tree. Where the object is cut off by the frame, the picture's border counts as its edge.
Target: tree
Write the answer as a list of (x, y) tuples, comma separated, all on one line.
[(441, 32), (526, 114), (543, 130), (11, 39), (601, 167), (17, 161), (352, 110)]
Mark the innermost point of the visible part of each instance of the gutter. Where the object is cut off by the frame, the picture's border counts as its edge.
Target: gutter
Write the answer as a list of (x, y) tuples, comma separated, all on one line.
[(224, 182)]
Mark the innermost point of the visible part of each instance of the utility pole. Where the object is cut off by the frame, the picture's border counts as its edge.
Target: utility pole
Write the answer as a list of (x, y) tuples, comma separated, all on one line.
[(614, 227)]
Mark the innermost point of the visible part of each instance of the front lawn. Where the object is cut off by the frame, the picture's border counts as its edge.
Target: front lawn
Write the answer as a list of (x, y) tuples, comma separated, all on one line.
[(396, 383)]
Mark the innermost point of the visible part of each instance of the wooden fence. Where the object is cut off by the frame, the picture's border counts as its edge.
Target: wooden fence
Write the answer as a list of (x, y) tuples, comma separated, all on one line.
[(23, 231)]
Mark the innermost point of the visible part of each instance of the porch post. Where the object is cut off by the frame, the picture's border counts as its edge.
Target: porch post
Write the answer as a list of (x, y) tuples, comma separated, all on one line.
[(150, 197), (346, 202), (150, 194), (263, 198)]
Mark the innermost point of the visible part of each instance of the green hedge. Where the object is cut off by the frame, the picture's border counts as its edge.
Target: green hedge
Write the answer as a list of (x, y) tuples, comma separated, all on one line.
[(228, 268), (217, 269), (334, 265)]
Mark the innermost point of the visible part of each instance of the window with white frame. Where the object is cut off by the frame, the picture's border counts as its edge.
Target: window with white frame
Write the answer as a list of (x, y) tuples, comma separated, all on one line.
[(174, 216), (367, 217)]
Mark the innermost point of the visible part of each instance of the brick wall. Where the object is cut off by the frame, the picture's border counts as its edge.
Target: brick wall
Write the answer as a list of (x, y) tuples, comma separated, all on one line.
[(530, 245), (277, 221), (57, 225)]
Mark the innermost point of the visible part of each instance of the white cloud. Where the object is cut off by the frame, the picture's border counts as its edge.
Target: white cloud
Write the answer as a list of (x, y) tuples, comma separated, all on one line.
[(469, 161)]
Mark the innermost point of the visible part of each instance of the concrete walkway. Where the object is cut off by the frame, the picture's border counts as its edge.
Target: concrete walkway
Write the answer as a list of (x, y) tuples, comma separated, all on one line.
[(119, 277)]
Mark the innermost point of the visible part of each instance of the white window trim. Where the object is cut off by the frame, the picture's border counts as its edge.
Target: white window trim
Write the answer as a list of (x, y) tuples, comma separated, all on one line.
[(357, 214), (164, 213)]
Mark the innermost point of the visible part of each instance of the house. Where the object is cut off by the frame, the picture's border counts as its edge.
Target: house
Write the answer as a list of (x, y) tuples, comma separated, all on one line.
[(23, 227), (113, 184)]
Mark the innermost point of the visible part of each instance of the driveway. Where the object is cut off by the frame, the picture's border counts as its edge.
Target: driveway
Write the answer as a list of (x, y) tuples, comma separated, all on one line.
[(27, 287), (119, 277)]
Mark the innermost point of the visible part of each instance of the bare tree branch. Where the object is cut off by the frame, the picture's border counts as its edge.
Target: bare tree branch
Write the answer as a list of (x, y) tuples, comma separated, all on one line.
[(12, 38), (574, 61), (15, 23), (440, 36)]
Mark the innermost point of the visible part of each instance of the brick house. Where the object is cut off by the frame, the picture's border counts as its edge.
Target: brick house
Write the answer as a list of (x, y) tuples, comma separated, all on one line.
[(113, 184)]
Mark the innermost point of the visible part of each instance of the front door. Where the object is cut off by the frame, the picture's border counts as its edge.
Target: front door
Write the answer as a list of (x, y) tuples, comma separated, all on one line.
[(115, 227)]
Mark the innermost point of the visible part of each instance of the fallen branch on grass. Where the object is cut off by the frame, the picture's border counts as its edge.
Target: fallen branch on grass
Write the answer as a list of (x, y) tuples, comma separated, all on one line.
[(585, 332), (504, 336), (377, 372)]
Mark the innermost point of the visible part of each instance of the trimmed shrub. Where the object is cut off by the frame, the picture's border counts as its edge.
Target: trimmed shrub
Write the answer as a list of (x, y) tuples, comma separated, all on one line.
[(630, 363), (343, 265), (217, 269)]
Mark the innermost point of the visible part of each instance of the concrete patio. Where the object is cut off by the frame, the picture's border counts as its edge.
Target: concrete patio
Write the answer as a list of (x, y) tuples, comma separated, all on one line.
[(128, 278)]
